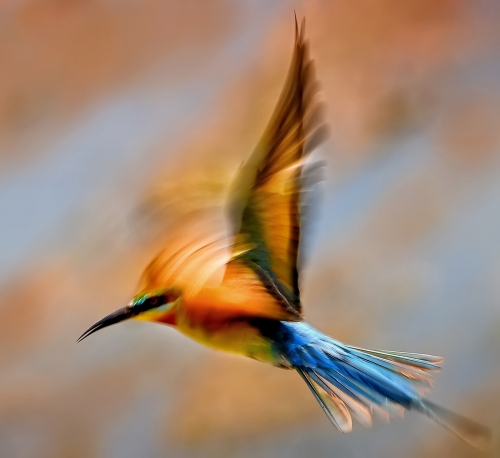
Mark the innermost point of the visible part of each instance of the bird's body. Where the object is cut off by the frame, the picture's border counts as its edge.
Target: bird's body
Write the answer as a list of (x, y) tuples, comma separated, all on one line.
[(219, 316), (240, 337), (234, 335), (241, 293)]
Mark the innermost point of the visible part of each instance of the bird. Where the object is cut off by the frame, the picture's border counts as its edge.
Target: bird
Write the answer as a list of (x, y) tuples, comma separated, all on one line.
[(240, 292)]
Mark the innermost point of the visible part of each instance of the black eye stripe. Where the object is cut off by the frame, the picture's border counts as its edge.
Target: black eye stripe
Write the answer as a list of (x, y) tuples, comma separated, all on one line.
[(151, 303)]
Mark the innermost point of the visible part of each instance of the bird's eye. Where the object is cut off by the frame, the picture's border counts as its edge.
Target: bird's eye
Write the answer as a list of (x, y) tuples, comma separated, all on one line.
[(152, 302), (163, 300)]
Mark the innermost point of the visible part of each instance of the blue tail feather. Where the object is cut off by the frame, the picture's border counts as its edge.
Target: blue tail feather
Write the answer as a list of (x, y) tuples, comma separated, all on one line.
[(354, 382), (343, 383)]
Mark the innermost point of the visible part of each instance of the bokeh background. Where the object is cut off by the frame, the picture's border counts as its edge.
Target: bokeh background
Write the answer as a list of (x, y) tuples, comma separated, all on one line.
[(118, 118)]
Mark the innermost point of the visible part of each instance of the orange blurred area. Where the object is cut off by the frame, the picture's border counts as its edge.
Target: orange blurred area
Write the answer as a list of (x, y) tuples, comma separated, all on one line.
[(121, 120)]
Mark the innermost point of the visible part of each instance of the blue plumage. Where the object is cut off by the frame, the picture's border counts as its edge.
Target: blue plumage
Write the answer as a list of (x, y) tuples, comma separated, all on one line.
[(350, 382), (377, 379)]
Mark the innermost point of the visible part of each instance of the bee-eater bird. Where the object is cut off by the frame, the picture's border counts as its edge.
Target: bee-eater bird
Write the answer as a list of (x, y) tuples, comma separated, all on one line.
[(254, 308)]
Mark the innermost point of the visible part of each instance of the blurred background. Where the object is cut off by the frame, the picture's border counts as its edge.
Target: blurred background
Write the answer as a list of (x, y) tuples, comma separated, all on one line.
[(119, 118)]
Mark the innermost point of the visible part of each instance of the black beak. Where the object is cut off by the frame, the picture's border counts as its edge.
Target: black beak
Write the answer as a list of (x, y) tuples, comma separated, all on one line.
[(112, 318)]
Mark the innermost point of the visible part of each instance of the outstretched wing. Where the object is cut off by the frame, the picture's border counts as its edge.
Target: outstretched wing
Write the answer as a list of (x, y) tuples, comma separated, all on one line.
[(266, 199)]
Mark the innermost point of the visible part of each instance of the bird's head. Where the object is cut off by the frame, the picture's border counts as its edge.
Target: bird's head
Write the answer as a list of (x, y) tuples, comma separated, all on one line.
[(158, 305)]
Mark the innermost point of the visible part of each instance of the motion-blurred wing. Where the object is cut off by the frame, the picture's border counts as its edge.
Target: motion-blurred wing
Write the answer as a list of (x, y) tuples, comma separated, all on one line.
[(266, 200)]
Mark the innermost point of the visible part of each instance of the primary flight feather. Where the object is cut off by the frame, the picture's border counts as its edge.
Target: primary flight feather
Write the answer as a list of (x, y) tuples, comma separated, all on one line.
[(242, 294)]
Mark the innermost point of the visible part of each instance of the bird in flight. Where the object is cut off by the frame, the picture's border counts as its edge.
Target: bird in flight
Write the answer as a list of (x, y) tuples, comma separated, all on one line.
[(241, 293)]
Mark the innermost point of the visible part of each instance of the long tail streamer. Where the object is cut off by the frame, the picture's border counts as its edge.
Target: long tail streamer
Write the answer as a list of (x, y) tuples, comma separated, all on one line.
[(350, 382)]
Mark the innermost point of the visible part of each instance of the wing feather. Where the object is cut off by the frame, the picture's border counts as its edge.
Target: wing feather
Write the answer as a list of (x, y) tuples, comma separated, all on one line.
[(266, 198)]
